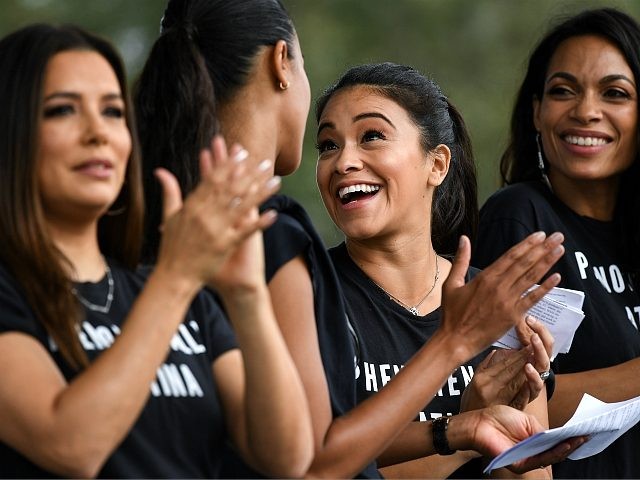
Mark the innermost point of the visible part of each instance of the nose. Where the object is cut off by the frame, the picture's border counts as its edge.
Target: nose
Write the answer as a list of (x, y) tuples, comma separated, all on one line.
[(95, 131), (587, 108), (348, 160)]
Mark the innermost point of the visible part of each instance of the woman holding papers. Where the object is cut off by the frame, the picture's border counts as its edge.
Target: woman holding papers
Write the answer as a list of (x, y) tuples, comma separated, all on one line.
[(572, 166), (397, 176)]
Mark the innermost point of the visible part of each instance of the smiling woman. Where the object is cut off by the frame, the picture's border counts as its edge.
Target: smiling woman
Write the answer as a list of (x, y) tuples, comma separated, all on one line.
[(109, 369), (574, 165)]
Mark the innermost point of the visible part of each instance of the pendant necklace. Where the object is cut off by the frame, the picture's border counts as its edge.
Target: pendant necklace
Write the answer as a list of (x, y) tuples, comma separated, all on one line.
[(415, 310), (92, 306)]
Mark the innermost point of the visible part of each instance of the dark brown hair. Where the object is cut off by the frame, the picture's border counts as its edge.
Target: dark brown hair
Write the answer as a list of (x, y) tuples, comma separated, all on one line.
[(25, 248)]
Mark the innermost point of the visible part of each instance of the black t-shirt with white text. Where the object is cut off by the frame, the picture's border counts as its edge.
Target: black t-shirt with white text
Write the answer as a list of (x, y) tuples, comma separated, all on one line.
[(389, 335), (181, 428), (608, 335)]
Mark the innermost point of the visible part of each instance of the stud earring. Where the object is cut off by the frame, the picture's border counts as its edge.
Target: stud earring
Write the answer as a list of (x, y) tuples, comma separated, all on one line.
[(284, 86), (545, 178)]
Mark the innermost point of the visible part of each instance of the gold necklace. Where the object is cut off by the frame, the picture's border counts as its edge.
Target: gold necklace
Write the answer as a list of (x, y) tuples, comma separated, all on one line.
[(415, 310)]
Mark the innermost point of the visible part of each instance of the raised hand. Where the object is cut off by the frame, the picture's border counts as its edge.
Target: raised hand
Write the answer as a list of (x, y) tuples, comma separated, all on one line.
[(201, 233), (479, 312)]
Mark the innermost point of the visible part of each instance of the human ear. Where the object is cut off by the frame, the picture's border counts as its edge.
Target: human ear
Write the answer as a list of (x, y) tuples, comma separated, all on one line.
[(281, 65), (441, 156)]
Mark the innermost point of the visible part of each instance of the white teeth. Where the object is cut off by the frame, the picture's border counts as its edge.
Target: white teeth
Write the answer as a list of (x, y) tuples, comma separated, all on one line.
[(585, 141), (362, 187)]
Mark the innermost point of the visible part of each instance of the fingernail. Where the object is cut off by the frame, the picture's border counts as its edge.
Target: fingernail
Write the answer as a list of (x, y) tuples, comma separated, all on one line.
[(264, 165), (538, 235), (461, 242), (273, 182), (559, 250), (535, 338), (241, 156), (530, 320), (556, 237)]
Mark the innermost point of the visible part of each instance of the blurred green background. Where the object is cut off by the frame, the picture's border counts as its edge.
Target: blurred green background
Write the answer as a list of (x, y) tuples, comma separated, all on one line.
[(475, 50)]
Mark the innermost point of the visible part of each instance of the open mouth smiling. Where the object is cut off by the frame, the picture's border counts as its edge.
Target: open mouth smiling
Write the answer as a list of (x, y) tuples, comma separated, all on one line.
[(356, 192), (585, 141)]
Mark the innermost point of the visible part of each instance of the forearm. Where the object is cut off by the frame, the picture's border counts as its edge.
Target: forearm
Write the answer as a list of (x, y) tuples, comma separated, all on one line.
[(612, 384), (277, 428), (369, 429), (78, 425)]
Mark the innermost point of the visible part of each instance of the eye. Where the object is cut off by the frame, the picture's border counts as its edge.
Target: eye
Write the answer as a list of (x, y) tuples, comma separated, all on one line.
[(559, 91), (372, 135), (616, 94), (113, 111), (325, 145), (58, 110)]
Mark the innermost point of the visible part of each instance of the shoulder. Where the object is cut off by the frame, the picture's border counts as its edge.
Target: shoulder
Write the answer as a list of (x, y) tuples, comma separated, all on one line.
[(515, 200), (15, 312)]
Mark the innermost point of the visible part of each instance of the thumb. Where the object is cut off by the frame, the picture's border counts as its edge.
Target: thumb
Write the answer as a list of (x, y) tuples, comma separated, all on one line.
[(171, 194), (460, 263)]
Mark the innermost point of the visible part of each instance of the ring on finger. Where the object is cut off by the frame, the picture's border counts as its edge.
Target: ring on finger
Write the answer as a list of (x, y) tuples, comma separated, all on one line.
[(544, 375)]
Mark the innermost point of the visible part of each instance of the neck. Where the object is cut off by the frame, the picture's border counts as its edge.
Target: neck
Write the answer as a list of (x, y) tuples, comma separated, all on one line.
[(248, 119), (588, 198), (404, 269), (79, 244)]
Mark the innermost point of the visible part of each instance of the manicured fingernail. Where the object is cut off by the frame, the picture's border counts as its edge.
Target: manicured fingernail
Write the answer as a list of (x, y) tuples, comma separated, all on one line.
[(241, 156), (273, 182), (264, 165)]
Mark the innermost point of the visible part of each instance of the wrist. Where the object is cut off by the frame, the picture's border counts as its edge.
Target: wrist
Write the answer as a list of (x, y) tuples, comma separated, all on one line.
[(439, 428), (460, 431)]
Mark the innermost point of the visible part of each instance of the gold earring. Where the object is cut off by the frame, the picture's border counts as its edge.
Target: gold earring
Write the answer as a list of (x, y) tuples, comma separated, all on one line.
[(284, 86)]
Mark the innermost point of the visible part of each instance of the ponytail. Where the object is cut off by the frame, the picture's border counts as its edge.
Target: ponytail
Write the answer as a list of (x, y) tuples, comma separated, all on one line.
[(176, 114), (455, 206)]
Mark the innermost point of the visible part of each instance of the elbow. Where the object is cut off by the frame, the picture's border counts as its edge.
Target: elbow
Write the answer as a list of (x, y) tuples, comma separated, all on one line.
[(73, 459), (293, 463)]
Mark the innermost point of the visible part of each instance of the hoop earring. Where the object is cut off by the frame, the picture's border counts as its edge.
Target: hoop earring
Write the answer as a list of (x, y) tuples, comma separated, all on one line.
[(284, 86), (543, 172)]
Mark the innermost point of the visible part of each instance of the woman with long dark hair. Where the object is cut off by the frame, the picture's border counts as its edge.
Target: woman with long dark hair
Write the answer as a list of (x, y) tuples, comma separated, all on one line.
[(107, 369), (572, 165), (237, 65)]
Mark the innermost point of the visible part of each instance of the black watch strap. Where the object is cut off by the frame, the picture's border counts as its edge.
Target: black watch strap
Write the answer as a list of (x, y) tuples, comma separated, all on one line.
[(439, 431)]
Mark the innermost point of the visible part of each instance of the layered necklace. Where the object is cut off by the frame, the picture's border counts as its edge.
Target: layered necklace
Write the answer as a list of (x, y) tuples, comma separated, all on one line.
[(415, 309), (92, 306)]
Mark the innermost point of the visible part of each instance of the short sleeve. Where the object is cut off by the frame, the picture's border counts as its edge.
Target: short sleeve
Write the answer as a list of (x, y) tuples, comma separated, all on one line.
[(503, 224), (15, 313)]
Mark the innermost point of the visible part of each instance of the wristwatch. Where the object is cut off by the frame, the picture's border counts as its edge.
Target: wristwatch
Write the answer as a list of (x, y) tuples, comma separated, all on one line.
[(439, 431)]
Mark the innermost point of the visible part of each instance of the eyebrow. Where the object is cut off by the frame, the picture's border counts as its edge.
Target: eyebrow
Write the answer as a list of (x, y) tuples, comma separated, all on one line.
[(604, 80), (357, 118), (77, 96)]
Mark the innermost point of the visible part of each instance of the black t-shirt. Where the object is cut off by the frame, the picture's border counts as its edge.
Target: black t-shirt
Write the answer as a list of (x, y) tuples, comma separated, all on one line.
[(608, 335), (294, 235), (389, 335), (181, 428)]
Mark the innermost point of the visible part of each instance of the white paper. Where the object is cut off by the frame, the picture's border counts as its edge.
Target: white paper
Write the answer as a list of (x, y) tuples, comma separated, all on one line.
[(603, 422), (560, 311)]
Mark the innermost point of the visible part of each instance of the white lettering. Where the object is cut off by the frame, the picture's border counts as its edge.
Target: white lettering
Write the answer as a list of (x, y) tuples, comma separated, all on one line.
[(451, 382), (177, 345), (616, 279), (100, 335), (600, 275), (192, 383), (467, 373), (371, 383), (86, 344), (583, 263), (195, 346), (383, 374)]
